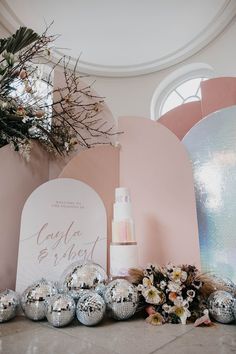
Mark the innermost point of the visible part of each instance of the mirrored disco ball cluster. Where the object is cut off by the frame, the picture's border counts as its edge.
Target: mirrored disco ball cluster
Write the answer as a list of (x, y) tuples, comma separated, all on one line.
[(82, 292)]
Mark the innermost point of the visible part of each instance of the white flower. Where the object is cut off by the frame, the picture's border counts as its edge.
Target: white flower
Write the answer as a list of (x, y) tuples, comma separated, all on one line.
[(140, 287), (181, 310), (174, 287), (162, 284), (182, 313), (166, 308), (25, 119), (169, 266), (152, 295), (191, 293), (197, 284), (148, 281), (179, 301), (178, 275)]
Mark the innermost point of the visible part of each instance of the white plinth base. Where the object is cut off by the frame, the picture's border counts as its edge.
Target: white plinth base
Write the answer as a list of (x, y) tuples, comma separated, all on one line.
[(123, 257)]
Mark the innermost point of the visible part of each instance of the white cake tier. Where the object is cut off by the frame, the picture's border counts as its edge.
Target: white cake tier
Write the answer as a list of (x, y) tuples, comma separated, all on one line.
[(122, 211), (122, 258)]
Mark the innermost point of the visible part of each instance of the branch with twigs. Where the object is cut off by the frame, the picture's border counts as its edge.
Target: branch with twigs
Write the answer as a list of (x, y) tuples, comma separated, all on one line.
[(59, 118)]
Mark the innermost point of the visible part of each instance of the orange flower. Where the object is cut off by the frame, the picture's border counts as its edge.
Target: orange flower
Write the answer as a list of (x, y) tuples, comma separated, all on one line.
[(172, 296)]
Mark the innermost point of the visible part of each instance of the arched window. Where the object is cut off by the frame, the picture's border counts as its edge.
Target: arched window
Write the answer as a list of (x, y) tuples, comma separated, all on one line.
[(180, 87)]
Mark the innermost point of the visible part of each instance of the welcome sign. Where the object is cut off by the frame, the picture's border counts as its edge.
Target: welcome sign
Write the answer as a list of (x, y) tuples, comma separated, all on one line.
[(63, 221)]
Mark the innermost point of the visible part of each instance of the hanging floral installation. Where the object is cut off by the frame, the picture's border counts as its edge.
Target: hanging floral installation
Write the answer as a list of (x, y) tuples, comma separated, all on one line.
[(174, 294), (59, 118)]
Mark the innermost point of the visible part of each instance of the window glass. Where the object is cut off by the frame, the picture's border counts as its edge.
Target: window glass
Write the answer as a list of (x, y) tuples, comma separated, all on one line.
[(187, 91)]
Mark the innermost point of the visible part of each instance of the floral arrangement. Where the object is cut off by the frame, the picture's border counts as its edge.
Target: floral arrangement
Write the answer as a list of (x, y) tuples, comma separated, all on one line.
[(58, 118), (173, 294)]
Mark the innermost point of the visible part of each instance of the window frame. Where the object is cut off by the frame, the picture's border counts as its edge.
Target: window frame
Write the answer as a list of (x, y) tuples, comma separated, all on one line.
[(173, 81)]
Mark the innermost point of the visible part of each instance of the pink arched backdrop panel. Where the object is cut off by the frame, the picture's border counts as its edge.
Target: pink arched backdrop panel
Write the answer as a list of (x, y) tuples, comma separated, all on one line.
[(99, 168), (156, 168), (218, 93), (182, 118)]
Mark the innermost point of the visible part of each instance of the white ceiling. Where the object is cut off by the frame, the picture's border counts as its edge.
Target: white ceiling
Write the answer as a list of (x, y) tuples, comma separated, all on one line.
[(124, 37)]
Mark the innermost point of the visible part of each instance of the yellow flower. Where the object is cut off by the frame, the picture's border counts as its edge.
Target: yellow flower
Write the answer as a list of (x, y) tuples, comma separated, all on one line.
[(182, 312), (153, 296), (178, 275), (155, 319)]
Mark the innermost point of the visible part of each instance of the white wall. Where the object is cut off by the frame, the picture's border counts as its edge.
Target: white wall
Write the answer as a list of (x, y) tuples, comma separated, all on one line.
[(3, 31), (132, 96)]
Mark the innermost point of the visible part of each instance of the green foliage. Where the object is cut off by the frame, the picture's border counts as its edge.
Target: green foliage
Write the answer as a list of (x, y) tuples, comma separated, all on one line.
[(18, 41)]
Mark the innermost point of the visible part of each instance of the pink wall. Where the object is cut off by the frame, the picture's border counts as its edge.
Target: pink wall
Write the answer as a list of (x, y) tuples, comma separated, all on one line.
[(18, 179)]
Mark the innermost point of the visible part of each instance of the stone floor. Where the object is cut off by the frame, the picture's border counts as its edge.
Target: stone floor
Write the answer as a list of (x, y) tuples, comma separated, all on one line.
[(134, 336)]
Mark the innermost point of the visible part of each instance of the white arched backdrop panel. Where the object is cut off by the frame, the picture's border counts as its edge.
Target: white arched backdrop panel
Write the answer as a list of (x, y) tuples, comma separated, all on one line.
[(63, 221)]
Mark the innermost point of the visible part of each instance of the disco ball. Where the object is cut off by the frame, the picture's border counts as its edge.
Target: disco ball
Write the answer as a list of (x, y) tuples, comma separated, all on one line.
[(33, 299), (121, 298), (83, 276), (90, 308), (234, 309), (60, 310), (8, 305), (220, 305), (225, 283), (100, 289)]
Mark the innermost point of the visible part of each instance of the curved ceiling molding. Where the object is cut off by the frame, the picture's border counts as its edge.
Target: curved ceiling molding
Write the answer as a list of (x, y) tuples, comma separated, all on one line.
[(154, 36)]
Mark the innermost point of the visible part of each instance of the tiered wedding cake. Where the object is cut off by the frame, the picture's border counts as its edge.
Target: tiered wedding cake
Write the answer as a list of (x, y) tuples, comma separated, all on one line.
[(123, 249)]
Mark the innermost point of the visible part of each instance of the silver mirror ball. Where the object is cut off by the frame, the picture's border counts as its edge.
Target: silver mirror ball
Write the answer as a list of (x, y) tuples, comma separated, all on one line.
[(60, 310), (33, 299), (82, 276), (220, 305), (8, 305), (90, 309), (226, 283), (121, 298)]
